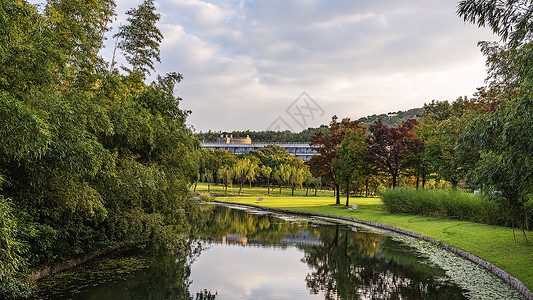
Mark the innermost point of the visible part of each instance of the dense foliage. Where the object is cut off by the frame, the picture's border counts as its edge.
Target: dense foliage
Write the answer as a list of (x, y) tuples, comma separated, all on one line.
[(503, 136), (88, 158)]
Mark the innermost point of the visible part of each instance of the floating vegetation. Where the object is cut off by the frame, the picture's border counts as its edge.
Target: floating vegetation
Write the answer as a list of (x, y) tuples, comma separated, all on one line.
[(478, 282), (86, 276)]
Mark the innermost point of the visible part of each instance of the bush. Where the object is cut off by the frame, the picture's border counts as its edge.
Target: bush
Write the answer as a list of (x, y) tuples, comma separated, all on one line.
[(206, 198), (12, 263), (451, 204)]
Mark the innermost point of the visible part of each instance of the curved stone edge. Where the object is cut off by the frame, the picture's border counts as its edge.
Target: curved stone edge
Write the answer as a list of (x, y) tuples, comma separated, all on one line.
[(514, 282)]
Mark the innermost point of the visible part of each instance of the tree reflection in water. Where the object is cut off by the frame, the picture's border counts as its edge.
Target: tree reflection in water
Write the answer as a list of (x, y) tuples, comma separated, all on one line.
[(344, 264), (337, 262), (364, 265)]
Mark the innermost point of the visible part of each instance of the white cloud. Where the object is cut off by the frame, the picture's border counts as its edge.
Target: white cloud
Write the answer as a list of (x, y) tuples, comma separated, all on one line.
[(244, 62)]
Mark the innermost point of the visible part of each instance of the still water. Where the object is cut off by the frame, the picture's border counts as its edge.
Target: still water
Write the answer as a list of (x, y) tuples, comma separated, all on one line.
[(246, 254)]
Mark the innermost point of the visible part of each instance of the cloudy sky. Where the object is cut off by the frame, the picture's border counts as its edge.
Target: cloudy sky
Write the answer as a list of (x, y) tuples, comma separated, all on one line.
[(278, 64)]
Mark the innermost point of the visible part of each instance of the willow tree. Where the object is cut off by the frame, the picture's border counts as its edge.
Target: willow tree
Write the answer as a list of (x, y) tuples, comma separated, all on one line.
[(504, 136)]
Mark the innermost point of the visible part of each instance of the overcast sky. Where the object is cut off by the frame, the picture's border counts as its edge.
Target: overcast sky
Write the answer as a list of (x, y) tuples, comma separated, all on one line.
[(278, 64)]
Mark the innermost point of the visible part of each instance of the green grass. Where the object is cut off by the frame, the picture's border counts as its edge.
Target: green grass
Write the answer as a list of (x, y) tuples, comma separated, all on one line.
[(491, 243)]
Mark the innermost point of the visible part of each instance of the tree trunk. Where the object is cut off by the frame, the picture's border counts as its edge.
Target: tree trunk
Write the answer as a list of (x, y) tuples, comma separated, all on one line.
[(366, 187), (208, 187), (195, 184), (347, 197), (337, 196), (306, 190), (268, 191), (242, 182), (394, 183)]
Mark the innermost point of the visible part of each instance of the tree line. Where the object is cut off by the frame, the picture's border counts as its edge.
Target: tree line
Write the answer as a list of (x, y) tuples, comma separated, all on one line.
[(304, 136), (271, 166)]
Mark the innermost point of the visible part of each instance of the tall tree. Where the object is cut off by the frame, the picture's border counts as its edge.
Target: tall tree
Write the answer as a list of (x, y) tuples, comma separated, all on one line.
[(266, 171), (92, 159), (324, 164), (139, 40), (225, 174), (245, 169), (351, 160), (297, 177), (504, 136), (80, 30), (393, 150)]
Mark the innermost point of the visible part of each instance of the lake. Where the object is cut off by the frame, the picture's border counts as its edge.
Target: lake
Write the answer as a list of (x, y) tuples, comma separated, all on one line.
[(248, 254)]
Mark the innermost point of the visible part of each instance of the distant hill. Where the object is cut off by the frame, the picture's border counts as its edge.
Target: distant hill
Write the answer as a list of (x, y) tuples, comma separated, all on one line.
[(390, 119)]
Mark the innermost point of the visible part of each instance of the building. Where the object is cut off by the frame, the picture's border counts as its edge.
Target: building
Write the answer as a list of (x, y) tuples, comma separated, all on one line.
[(245, 145), (231, 140)]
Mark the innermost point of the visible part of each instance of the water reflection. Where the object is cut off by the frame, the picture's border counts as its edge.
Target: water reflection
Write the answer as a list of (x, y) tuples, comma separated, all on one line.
[(336, 262), (246, 255)]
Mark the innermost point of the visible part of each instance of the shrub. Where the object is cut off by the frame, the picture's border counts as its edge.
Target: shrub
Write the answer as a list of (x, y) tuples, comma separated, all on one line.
[(11, 261), (451, 204), (206, 198)]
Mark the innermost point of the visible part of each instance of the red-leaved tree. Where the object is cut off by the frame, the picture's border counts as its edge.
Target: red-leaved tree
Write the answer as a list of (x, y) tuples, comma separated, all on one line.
[(325, 163), (394, 149)]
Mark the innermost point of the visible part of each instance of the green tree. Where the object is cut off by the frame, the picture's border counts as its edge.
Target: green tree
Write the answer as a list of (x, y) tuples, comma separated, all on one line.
[(297, 177), (12, 252), (266, 172), (92, 159), (511, 20), (209, 166), (282, 175), (245, 169), (80, 28), (140, 39), (225, 174), (351, 160), (504, 136)]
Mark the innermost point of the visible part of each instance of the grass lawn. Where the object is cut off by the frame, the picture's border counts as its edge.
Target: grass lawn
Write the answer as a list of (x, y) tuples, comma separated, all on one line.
[(491, 243)]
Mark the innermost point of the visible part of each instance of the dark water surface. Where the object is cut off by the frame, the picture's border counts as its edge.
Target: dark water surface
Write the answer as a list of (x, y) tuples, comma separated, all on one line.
[(251, 255)]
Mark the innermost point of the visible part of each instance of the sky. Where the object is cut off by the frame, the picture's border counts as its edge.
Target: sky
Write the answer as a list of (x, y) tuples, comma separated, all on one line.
[(293, 64)]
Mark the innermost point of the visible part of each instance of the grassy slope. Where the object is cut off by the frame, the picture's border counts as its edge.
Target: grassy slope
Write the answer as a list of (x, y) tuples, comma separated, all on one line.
[(492, 243)]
